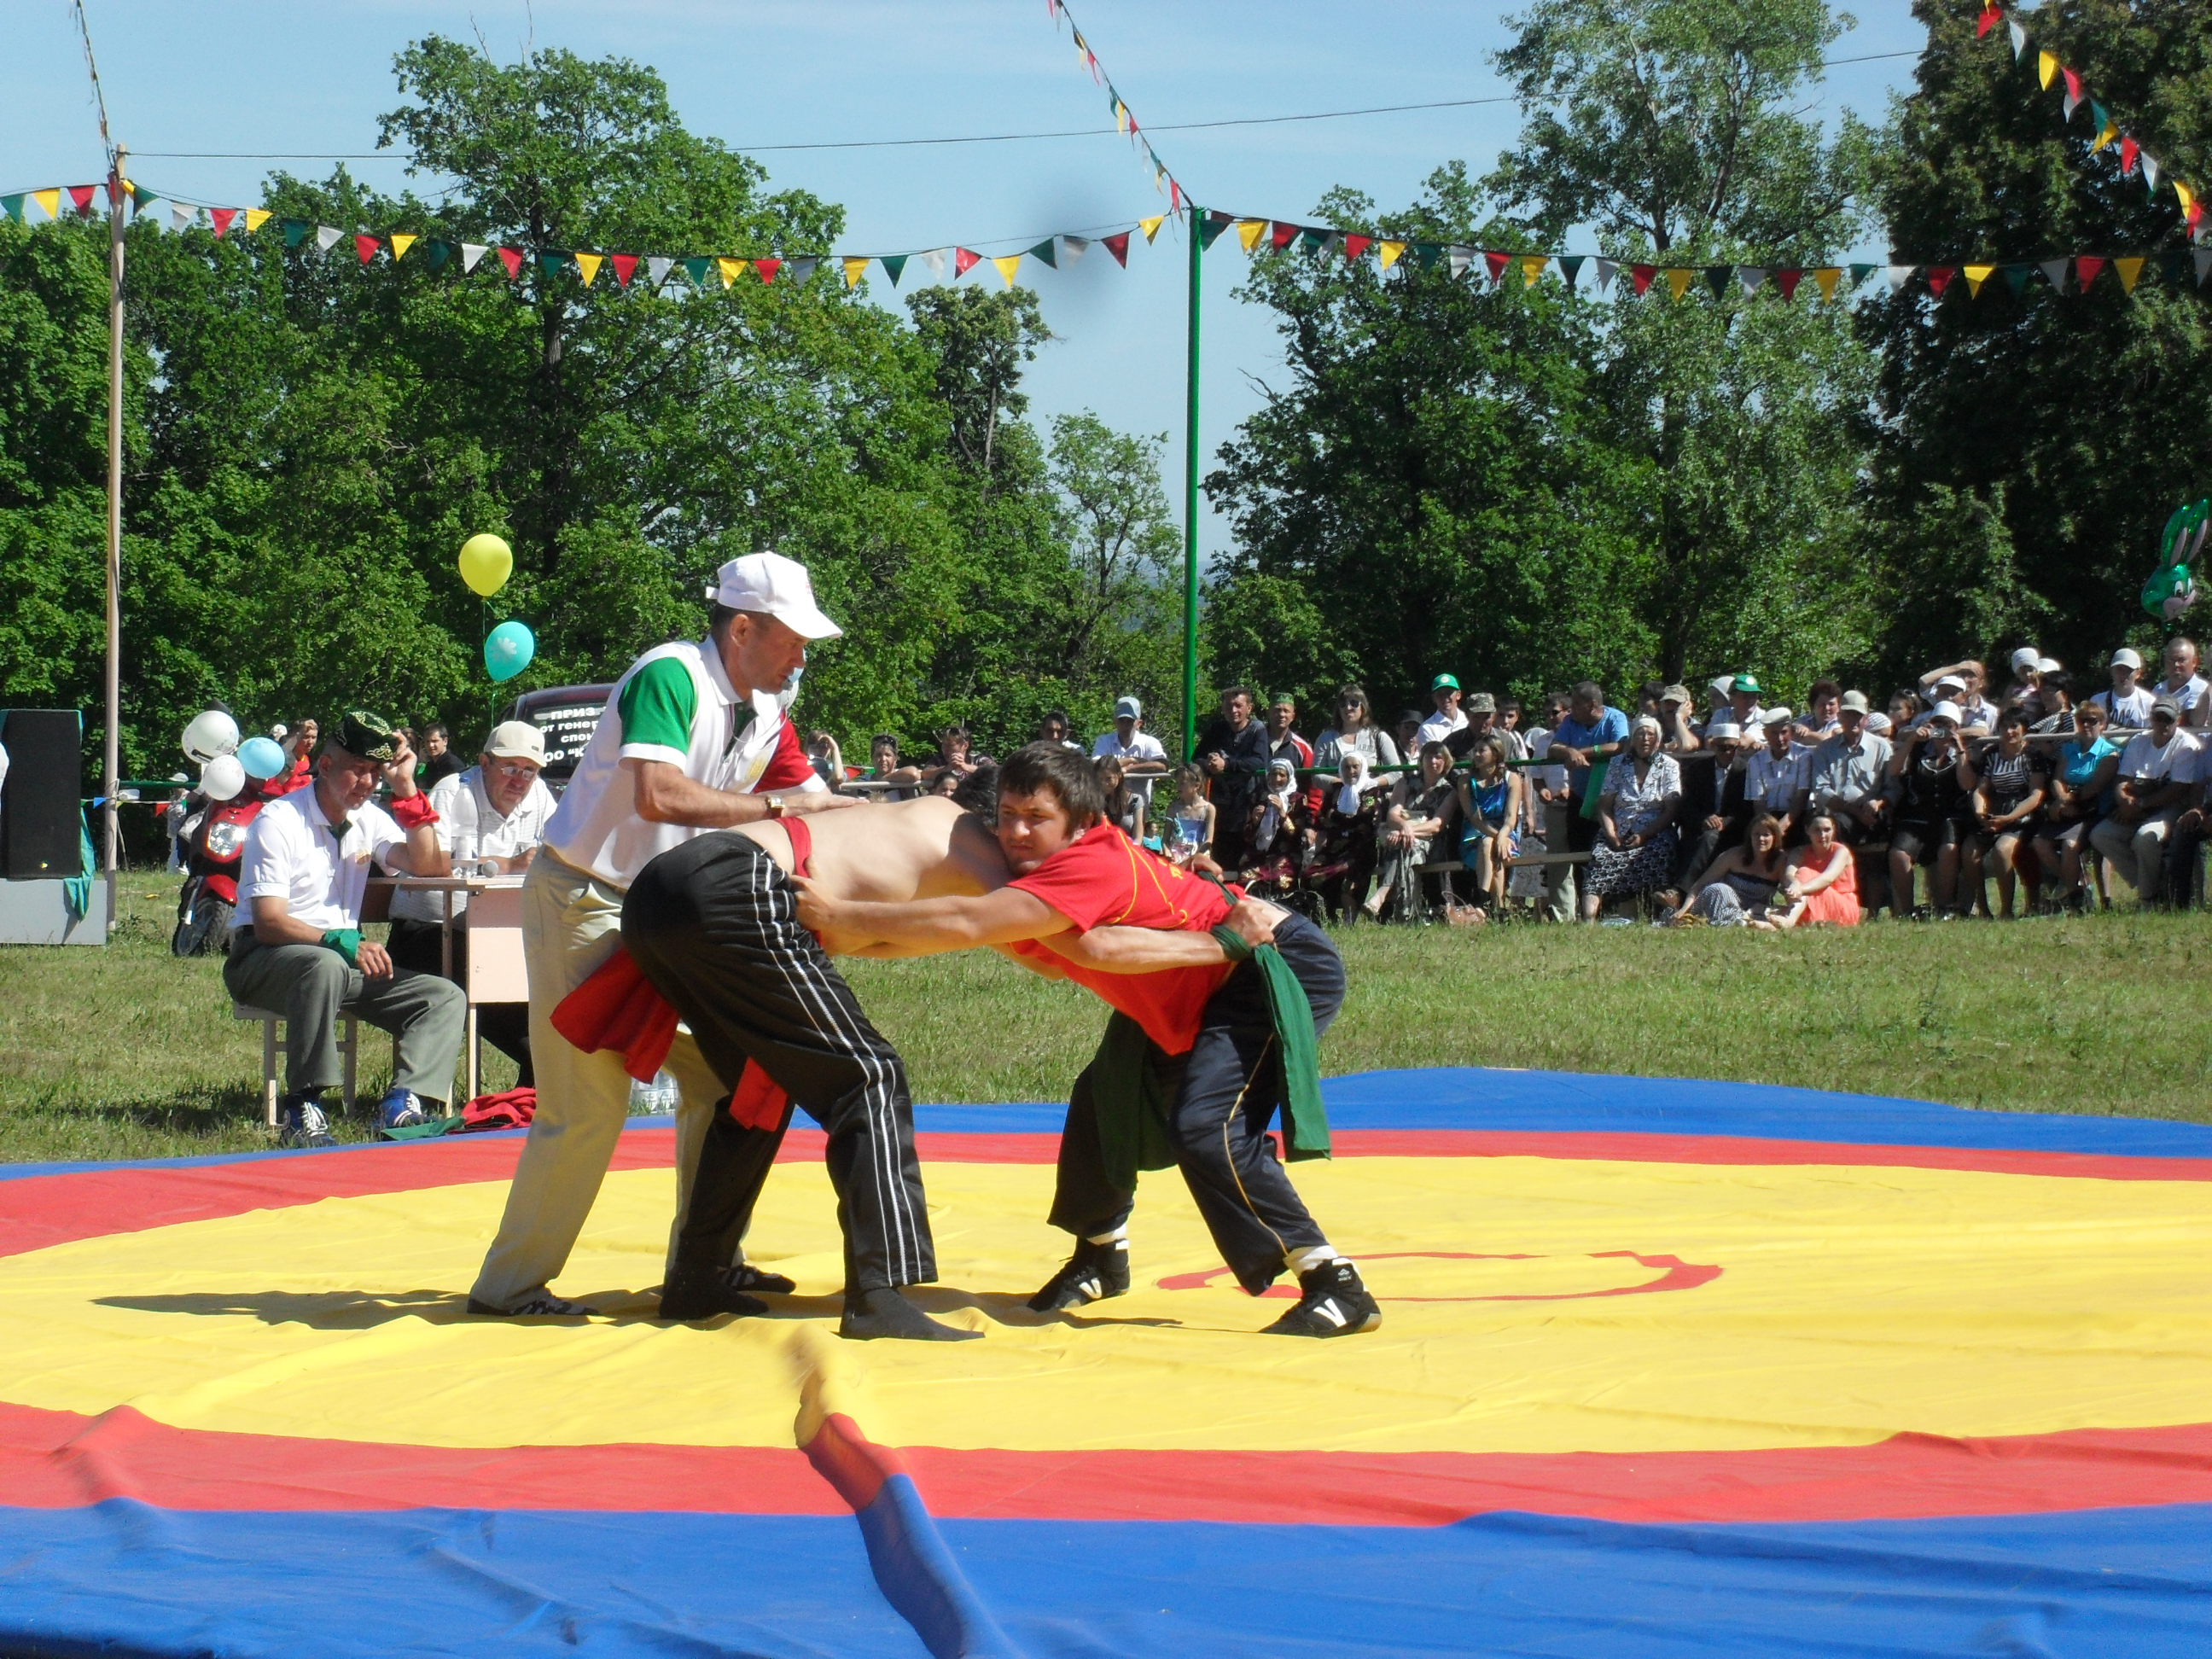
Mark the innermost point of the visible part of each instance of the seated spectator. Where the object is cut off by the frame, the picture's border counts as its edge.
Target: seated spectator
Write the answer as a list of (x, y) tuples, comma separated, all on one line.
[(885, 767), (1144, 762), (439, 761), (1718, 819), (1125, 807), (2157, 776), (2008, 805), (2183, 682), (1509, 719), (1744, 709), (1847, 776), (491, 820), (2183, 860), (1904, 712), (1549, 808), (1590, 735), (2079, 789), (1935, 779), (1355, 732), (1960, 683), (1056, 728), (296, 946), (1740, 889), (1822, 887), (1823, 714), (2054, 696), (1634, 852), (1777, 774), (1676, 735), (301, 747), (1275, 837), (1344, 836), (1720, 706), (1407, 735), (1444, 693), (1489, 816), (955, 755), (2024, 688), (1191, 820), (948, 783), (1234, 752), (2127, 704), (1420, 811), (826, 758), (1481, 711)]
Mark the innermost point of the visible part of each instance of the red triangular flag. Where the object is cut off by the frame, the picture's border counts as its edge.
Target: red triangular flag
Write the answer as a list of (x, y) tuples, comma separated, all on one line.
[(82, 195), (511, 258), (2072, 84), (2087, 267), (1284, 235), (1356, 246), (1175, 197), (1984, 24), (1787, 281), (1642, 276), (2128, 152), (222, 217), (1939, 278), (1497, 262), (768, 268), (623, 263), (963, 261), (1119, 247), (365, 247)]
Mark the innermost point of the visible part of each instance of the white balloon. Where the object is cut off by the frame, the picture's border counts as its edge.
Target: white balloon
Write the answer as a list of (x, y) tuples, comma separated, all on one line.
[(221, 778), (210, 734)]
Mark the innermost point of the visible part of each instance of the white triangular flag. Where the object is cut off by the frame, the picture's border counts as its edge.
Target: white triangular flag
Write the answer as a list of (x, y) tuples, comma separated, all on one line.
[(180, 215), (2019, 37), (2072, 104), (1606, 270), (1899, 276), (2150, 170), (326, 238), (1752, 277), (2203, 263), (1071, 247), (802, 269), (934, 258), (657, 268), (472, 251), (1461, 259), (2054, 272)]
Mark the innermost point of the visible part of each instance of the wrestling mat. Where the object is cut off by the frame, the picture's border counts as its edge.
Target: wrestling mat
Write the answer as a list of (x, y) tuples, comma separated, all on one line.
[(1666, 1368)]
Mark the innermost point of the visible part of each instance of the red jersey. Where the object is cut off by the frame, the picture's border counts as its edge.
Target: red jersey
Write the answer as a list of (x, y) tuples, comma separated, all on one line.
[(1106, 880), (789, 767)]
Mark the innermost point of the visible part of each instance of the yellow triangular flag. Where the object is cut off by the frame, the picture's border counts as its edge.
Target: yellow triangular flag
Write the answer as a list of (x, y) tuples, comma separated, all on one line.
[(1008, 264), (256, 217), (1678, 279), (729, 268), (2046, 65), (49, 199), (1825, 279), (399, 244), (2104, 137), (587, 263), (1389, 251), (855, 270), (1533, 267), (2188, 197), (1248, 232), (1976, 276), (1151, 227), (2129, 270)]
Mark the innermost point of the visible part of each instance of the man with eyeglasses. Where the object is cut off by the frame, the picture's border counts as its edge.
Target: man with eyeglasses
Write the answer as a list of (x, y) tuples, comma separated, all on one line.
[(491, 820), (2157, 778)]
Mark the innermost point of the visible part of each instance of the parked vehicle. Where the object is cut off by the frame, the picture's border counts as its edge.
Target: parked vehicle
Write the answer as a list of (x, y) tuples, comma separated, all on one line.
[(212, 841), (567, 715)]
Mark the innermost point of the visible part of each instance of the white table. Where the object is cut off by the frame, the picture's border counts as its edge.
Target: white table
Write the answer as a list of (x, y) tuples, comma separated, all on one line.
[(495, 968)]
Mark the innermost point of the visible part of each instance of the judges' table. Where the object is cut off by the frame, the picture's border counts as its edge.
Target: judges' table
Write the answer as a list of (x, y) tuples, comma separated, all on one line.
[(494, 971)]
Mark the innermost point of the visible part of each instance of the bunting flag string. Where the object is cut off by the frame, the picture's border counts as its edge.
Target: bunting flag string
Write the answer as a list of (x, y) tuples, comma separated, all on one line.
[(1124, 120)]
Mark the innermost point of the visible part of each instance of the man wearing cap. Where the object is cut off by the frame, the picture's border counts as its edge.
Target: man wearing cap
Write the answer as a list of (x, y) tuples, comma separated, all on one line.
[(1960, 683), (2158, 776), (1720, 709), (1776, 774), (1848, 778), (2127, 705), (1744, 710), (295, 945), (1444, 692), (1715, 818), (1676, 735), (694, 738), (1142, 757), (1481, 724), (491, 818)]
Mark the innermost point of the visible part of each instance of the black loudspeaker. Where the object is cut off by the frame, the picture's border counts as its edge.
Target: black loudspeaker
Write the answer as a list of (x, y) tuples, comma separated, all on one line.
[(40, 813)]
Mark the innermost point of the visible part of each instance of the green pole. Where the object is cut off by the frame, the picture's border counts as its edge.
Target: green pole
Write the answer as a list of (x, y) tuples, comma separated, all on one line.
[(1190, 508)]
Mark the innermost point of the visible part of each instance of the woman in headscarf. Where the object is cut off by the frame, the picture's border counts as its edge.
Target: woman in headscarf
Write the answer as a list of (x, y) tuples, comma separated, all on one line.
[(1343, 835), (1276, 833), (1354, 733), (1421, 809), (1637, 839), (1490, 809)]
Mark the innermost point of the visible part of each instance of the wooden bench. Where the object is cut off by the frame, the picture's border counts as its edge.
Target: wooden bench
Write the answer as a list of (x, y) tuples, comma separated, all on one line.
[(349, 1045)]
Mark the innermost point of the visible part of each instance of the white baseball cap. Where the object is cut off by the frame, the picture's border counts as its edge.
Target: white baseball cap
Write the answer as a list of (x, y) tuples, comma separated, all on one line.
[(1776, 717), (1951, 680), (2026, 657), (1128, 708), (1946, 710), (770, 584), (1721, 683), (2128, 657), (516, 740)]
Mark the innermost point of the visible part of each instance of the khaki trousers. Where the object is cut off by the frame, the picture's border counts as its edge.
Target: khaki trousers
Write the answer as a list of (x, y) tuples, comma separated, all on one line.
[(571, 923)]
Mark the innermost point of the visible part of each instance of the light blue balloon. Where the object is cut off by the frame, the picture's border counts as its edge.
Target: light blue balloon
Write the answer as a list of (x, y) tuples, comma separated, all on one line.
[(508, 650), (262, 758)]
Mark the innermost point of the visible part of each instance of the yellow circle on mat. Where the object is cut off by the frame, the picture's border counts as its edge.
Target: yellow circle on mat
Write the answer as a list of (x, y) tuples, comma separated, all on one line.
[(1851, 1302)]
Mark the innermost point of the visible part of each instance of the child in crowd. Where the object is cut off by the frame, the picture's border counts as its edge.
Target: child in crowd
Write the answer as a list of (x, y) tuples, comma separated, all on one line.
[(1190, 838)]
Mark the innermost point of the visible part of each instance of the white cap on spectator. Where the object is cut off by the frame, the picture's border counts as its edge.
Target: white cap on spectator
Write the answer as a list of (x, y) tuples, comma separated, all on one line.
[(2128, 657), (1128, 708), (1877, 723), (1721, 683), (2026, 657), (1950, 679), (516, 740), (1945, 710), (1724, 731), (771, 584), (1776, 717), (2048, 665), (1854, 702)]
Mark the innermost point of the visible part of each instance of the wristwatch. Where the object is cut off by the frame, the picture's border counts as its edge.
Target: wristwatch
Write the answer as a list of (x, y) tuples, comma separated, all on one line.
[(775, 805)]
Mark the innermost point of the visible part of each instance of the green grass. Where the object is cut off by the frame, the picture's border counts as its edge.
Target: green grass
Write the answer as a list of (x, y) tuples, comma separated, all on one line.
[(129, 1052)]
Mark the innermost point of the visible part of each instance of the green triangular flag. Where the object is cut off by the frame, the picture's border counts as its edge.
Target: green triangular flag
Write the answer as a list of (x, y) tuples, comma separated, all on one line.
[(551, 263), (1425, 254), (1860, 272), (1315, 241), (1046, 252), (438, 252), (894, 265), (142, 198), (697, 269), (1210, 229), (295, 232), (1570, 267), (2017, 278), (2180, 270), (1717, 278), (14, 206)]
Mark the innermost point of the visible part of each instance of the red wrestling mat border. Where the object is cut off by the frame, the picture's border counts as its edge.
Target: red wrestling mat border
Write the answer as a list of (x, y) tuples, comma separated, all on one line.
[(60, 1460)]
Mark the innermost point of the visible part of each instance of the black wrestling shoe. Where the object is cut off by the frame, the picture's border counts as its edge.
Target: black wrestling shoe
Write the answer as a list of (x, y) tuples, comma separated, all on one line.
[(746, 1277), (705, 1293), (1094, 1273), (540, 1304), (1335, 1303)]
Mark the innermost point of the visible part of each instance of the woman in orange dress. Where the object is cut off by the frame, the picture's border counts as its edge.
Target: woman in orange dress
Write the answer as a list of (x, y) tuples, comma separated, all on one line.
[(1823, 881)]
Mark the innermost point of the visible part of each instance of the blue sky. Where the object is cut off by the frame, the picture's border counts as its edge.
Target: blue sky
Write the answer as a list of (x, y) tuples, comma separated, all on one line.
[(253, 77)]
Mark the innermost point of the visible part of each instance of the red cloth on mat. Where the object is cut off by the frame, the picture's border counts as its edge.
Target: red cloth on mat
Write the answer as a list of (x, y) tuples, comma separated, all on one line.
[(618, 1007), (511, 1108)]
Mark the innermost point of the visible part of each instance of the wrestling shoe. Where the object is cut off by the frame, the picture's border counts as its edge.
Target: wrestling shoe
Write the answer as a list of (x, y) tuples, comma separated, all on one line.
[(400, 1108), (705, 1293), (301, 1122), (1094, 1273), (540, 1304), (1335, 1303), (746, 1277)]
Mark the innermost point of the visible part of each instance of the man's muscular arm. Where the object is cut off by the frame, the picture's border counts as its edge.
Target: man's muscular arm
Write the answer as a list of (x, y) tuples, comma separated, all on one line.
[(927, 926), (1148, 950), (665, 795)]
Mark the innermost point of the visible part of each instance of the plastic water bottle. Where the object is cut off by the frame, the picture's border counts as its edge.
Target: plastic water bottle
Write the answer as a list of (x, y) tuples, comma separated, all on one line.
[(654, 1099)]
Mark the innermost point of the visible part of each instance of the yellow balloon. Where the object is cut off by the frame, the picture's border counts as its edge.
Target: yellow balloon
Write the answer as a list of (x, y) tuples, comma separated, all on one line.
[(486, 563)]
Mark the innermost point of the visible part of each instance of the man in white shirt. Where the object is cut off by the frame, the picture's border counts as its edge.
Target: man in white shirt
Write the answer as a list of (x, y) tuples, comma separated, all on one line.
[(694, 738), (1776, 775), (296, 947), (1444, 691), (491, 818), (2157, 776), (2127, 705), (1143, 758), (2183, 682)]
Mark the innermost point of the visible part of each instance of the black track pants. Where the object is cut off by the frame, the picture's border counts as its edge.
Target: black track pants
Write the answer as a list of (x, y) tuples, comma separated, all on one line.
[(713, 925), (1224, 1093)]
